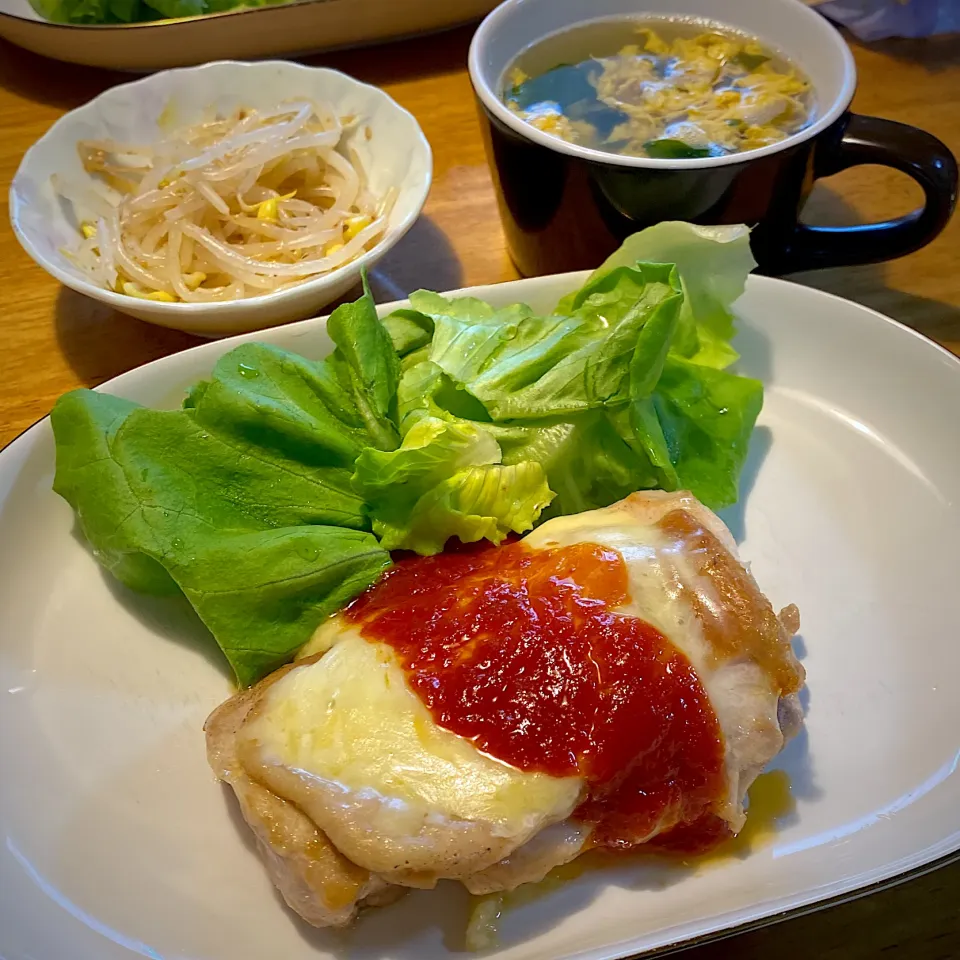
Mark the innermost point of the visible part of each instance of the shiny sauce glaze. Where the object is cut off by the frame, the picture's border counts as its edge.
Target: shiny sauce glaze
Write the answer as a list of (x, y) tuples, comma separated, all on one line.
[(520, 652)]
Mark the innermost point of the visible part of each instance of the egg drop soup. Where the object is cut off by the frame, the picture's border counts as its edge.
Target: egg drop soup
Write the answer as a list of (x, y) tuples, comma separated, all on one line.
[(659, 88)]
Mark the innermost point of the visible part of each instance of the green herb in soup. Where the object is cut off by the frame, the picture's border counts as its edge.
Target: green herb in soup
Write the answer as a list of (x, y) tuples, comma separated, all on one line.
[(706, 94)]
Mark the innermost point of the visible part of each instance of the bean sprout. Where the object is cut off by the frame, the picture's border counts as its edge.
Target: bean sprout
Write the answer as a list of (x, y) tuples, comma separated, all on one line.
[(229, 208)]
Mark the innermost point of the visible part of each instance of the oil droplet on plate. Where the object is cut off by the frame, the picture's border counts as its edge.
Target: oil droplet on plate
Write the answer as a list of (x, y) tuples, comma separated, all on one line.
[(771, 802)]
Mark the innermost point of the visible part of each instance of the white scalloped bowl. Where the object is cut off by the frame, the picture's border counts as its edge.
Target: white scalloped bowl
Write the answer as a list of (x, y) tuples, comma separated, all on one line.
[(395, 155)]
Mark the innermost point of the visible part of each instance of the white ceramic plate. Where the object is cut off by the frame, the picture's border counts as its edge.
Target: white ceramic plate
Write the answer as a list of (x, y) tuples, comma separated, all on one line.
[(302, 27), (395, 156), (117, 841)]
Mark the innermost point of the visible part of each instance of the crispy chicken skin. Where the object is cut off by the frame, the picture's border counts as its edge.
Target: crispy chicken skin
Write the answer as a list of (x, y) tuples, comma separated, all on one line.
[(315, 879), (685, 579)]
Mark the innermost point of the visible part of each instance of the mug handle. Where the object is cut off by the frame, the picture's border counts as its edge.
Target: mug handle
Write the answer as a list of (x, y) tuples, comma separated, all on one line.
[(916, 153)]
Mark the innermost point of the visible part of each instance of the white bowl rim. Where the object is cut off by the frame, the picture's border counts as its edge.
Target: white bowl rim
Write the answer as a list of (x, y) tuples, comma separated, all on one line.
[(494, 105), (122, 302)]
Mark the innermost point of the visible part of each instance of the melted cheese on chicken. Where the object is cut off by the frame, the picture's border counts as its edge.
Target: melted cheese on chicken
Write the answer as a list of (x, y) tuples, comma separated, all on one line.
[(350, 719), (344, 737)]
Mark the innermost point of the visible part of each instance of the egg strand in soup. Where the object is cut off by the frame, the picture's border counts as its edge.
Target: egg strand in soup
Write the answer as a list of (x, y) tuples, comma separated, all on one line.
[(706, 95)]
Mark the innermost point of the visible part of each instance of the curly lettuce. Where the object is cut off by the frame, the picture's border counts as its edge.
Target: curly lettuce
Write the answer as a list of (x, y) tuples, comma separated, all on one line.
[(622, 387)]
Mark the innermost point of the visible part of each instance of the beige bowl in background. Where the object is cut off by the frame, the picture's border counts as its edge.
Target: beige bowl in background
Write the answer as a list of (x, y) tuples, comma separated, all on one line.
[(395, 155), (275, 30)]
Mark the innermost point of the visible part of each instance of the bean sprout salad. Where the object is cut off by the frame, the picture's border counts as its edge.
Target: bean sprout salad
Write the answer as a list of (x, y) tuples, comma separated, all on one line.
[(231, 207)]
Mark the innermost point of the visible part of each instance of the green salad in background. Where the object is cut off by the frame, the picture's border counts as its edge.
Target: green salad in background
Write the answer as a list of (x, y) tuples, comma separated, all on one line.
[(276, 493), (135, 11)]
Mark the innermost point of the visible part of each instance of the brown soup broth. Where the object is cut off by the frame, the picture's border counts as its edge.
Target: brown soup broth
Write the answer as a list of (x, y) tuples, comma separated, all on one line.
[(659, 87)]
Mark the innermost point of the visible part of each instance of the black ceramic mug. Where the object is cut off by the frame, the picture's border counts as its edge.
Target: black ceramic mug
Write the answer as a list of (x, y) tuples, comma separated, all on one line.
[(566, 207)]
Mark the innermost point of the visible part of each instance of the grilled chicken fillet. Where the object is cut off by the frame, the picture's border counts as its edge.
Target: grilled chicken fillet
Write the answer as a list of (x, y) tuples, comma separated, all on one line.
[(362, 772)]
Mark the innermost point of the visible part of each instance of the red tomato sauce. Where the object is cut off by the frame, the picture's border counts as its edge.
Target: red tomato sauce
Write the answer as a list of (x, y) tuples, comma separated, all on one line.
[(519, 651)]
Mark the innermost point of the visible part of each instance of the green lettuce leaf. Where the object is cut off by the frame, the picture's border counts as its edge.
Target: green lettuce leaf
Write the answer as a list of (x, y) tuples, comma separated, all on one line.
[(243, 499), (446, 481), (367, 365), (128, 11), (75, 11), (409, 332), (479, 503), (519, 365), (132, 11), (263, 593), (586, 462), (178, 8), (696, 429), (713, 264)]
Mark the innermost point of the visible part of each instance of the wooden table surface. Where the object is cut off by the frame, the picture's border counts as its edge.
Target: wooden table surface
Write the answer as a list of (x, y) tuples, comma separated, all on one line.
[(52, 339)]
